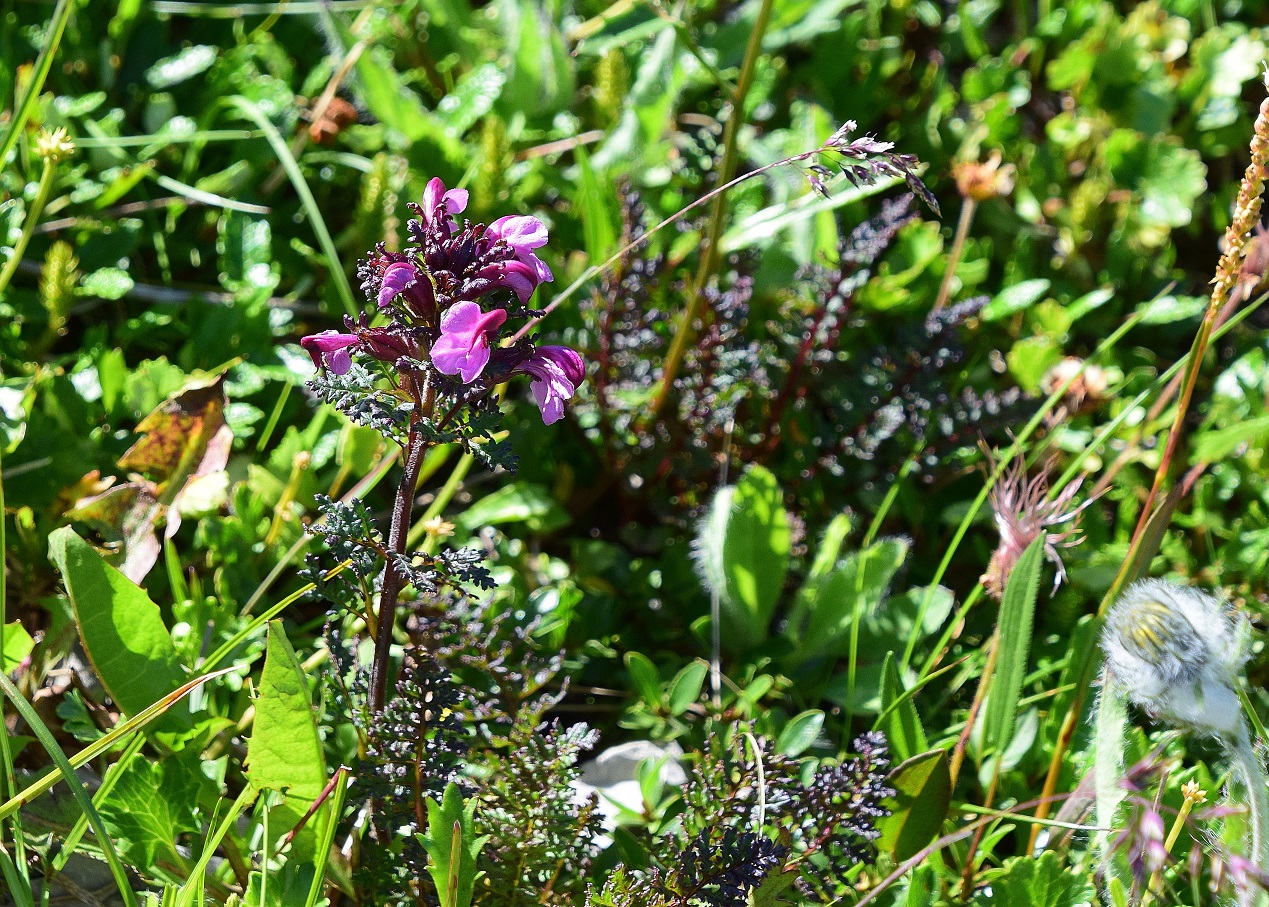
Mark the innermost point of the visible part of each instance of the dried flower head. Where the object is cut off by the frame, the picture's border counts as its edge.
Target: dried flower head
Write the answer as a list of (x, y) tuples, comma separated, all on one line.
[(1088, 383), (983, 180), (1177, 652), (1025, 512)]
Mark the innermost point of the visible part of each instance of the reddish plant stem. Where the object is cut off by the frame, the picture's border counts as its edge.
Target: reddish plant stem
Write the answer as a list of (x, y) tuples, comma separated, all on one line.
[(393, 579), (1228, 271)]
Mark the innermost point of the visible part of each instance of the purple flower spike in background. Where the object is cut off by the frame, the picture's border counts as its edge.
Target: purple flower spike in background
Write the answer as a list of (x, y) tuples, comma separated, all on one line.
[(463, 347), (557, 372), (454, 200), (331, 349), (523, 234)]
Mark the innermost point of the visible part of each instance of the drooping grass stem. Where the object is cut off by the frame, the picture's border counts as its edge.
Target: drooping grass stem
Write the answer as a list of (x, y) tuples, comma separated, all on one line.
[(1252, 774)]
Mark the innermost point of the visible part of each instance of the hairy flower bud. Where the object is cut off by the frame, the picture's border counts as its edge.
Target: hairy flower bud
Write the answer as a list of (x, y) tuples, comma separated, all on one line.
[(1176, 652)]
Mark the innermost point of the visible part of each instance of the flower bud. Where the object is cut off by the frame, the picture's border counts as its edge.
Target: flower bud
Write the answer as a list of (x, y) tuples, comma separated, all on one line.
[(1177, 652)]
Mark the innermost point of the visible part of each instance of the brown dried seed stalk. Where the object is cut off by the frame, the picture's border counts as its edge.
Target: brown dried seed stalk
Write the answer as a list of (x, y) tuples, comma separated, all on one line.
[(1246, 211)]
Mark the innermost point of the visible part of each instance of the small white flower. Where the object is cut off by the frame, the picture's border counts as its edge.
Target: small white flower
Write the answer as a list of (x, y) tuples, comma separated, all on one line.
[(1177, 652)]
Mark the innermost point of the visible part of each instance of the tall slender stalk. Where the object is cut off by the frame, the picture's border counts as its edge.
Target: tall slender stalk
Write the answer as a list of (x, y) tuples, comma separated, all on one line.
[(686, 332), (51, 147), (1246, 216), (958, 249), (393, 578)]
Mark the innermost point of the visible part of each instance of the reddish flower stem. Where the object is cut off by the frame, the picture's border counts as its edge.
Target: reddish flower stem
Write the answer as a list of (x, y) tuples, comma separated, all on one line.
[(393, 579)]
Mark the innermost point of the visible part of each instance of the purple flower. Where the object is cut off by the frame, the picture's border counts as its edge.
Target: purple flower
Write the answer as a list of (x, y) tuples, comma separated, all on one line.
[(403, 278), (436, 195), (557, 371), (331, 349), (463, 347), (514, 274), (523, 234)]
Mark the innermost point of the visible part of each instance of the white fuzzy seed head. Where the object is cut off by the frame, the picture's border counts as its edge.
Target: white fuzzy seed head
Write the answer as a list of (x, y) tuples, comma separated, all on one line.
[(1176, 652)]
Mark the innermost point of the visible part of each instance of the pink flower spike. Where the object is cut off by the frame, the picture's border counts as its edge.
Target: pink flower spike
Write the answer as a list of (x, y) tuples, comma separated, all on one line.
[(463, 347), (330, 349)]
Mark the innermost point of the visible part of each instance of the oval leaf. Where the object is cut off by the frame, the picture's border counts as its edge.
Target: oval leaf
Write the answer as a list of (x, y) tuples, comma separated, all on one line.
[(800, 733), (743, 548), (923, 794), (685, 689), (121, 629)]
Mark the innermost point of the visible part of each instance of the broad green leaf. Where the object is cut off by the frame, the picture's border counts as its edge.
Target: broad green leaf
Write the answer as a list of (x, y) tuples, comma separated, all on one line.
[(387, 97), (899, 719), (519, 502), (452, 847), (800, 733), (360, 448), (771, 891), (471, 99), (922, 887), (685, 688), (923, 794), (1108, 762), (1037, 882), (541, 79), (285, 751), (1030, 360), (181, 66), (1017, 614), (826, 607), (1216, 445), (744, 555), (152, 803), (1169, 309), (830, 547), (121, 629), (1168, 177)]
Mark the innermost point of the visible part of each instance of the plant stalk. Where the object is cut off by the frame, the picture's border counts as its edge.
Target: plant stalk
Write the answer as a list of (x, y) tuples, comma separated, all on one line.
[(393, 579), (958, 249), (685, 333), (1228, 270), (29, 222), (1247, 764)]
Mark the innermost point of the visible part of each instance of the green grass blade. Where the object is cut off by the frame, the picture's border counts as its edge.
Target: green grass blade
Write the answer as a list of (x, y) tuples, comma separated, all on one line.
[(61, 14), (191, 892), (292, 167), (67, 771), (16, 880), (322, 856), (8, 780), (1017, 616), (107, 785), (106, 742)]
